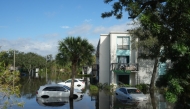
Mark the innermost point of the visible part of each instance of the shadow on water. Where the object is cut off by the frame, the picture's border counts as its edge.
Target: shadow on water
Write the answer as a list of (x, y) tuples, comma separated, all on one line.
[(101, 100)]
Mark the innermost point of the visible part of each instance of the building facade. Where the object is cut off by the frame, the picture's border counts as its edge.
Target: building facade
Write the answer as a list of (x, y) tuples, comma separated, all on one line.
[(117, 63)]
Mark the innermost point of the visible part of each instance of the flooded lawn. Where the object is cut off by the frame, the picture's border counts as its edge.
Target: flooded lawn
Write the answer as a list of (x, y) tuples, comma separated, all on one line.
[(103, 100)]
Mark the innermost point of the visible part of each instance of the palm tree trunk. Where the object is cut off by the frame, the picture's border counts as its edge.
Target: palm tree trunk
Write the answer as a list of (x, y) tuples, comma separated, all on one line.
[(72, 82), (152, 84)]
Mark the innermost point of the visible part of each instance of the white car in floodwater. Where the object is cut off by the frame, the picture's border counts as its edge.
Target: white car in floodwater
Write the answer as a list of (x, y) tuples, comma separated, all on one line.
[(130, 94), (57, 90), (78, 83)]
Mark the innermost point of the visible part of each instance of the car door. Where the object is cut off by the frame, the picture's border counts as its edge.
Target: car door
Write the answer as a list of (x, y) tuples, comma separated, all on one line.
[(62, 92), (122, 93), (50, 91), (127, 95)]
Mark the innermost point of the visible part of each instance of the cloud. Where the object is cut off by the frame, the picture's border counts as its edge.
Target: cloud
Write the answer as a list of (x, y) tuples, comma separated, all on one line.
[(48, 43), (81, 29), (120, 27), (65, 27), (42, 48), (53, 35)]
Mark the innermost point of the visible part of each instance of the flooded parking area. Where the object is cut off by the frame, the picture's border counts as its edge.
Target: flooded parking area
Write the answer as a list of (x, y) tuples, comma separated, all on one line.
[(101, 100)]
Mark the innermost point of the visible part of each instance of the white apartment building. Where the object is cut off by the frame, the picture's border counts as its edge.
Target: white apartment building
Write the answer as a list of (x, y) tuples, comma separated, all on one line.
[(118, 63)]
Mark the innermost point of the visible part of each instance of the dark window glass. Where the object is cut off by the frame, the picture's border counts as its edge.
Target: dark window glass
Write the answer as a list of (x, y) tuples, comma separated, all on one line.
[(134, 91), (123, 90), (60, 89), (49, 89)]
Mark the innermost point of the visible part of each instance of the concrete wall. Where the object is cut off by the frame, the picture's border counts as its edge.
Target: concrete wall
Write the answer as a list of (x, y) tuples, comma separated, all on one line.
[(145, 70), (104, 59), (133, 78)]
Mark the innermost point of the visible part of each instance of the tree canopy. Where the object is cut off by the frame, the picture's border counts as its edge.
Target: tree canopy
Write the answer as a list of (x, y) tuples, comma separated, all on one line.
[(76, 51), (167, 21)]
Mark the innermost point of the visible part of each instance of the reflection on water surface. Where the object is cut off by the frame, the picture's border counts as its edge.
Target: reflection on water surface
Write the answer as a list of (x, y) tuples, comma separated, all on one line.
[(103, 100)]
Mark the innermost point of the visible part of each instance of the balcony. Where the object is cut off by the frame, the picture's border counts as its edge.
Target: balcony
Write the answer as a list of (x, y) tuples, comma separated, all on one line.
[(124, 67)]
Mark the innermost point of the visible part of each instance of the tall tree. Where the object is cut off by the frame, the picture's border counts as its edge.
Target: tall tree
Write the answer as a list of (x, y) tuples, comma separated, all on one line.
[(168, 21), (148, 48), (75, 50)]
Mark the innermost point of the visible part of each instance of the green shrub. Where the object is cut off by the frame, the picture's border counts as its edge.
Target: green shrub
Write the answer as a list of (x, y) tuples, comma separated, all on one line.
[(93, 88), (143, 87)]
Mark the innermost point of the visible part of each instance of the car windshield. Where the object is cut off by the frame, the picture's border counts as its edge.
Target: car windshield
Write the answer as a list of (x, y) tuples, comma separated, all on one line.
[(134, 91)]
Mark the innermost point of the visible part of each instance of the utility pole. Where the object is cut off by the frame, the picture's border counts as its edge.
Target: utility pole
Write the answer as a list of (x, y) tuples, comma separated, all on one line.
[(46, 68), (14, 71)]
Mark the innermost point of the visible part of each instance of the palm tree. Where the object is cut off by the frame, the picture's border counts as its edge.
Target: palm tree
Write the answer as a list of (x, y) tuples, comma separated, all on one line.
[(76, 51)]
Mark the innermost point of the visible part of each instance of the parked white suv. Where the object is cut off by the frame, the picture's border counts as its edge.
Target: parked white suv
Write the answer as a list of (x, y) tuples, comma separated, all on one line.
[(78, 83), (57, 90)]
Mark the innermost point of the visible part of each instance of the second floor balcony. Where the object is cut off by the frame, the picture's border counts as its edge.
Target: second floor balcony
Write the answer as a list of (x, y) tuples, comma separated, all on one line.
[(125, 66)]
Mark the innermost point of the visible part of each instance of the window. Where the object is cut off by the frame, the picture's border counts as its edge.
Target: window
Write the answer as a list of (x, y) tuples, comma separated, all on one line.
[(50, 89), (123, 43), (123, 90), (134, 91), (123, 59), (68, 81), (60, 89)]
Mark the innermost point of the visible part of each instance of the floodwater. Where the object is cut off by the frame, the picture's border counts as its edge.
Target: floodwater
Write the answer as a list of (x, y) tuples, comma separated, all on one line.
[(102, 100)]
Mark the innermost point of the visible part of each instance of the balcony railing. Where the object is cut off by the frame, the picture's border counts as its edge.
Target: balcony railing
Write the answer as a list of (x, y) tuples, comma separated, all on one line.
[(125, 66)]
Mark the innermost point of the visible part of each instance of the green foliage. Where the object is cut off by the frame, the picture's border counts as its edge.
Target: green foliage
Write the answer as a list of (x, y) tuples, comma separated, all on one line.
[(168, 22), (171, 97), (106, 87), (143, 87), (93, 88), (84, 75), (9, 87), (24, 61), (76, 51), (175, 87)]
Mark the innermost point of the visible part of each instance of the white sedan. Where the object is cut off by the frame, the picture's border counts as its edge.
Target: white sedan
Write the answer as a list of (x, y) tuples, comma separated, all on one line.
[(78, 83), (131, 94), (57, 90)]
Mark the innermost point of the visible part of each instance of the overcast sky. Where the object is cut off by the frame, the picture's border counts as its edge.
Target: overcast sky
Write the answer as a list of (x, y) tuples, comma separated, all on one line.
[(37, 25)]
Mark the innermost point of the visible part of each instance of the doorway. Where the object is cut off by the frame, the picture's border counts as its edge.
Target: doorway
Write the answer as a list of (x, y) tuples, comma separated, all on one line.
[(123, 79)]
